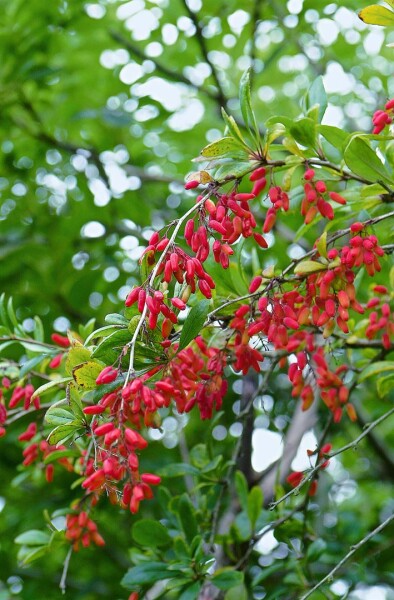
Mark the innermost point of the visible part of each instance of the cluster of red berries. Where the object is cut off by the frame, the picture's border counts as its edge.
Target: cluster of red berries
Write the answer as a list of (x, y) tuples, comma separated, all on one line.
[(19, 394), (381, 118), (41, 450), (314, 201), (280, 201), (295, 478), (80, 529), (381, 319)]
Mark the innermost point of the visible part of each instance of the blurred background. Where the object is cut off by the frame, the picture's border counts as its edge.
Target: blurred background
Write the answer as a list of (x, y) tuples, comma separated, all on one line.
[(103, 106)]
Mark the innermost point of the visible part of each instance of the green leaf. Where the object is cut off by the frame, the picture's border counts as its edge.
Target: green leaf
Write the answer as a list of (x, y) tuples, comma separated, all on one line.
[(227, 578), (34, 537), (86, 374), (43, 389), (363, 161), (241, 486), (101, 333), (376, 369), (222, 147), (237, 593), (316, 549), (109, 349), (304, 132), (115, 319), (187, 517), (246, 105), (178, 470), (309, 266), (316, 96), (30, 364), (385, 385), (335, 136), (62, 433), (191, 592), (377, 15), (56, 415), (232, 169), (233, 128), (74, 401), (27, 555), (76, 356), (150, 533), (255, 504), (194, 323), (56, 454), (146, 574)]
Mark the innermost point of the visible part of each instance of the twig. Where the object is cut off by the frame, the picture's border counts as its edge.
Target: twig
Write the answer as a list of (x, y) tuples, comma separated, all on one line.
[(352, 551), (63, 582), (152, 277), (221, 96), (329, 455)]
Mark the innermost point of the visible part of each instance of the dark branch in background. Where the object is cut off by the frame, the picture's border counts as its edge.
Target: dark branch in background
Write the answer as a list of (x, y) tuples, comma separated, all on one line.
[(249, 387), (162, 68), (301, 422), (94, 153), (255, 24), (294, 37), (221, 96)]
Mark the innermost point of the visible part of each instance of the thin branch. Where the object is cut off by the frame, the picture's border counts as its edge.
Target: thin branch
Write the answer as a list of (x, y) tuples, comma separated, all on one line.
[(152, 277), (221, 96), (352, 551), (63, 580), (254, 22), (14, 338), (310, 474)]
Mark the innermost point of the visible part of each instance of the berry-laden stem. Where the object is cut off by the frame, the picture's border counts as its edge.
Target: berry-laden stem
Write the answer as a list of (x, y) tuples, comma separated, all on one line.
[(152, 276)]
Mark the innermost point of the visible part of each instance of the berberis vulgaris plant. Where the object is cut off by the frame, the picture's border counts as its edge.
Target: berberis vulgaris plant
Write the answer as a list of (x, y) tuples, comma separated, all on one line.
[(207, 308)]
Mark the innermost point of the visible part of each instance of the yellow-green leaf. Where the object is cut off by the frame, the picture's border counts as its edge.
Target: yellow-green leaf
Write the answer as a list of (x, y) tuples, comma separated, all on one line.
[(76, 356), (200, 176), (309, 266), (86, 374), (225, 145), (377, 15), (322, 245)]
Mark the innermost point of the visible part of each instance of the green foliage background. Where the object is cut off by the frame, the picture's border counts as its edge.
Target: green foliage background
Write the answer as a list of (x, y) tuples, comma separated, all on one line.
[(100, 120)]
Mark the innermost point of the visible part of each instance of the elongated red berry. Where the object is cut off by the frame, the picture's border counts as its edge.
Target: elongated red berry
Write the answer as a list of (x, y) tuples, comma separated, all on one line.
[(107, 375), (60, 340), (190, 185), (244, 197), (255, 284)]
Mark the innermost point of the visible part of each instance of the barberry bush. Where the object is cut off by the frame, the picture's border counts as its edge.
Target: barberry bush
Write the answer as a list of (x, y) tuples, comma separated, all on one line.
[(269, 298)]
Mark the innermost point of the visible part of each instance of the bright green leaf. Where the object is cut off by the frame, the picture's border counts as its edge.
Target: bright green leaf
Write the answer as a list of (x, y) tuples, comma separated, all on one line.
[(147, 574), (255, 504), (194, 323), (363, 161), (150, 533), (227, 578), (34, 537), (376, 368)]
